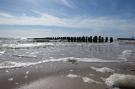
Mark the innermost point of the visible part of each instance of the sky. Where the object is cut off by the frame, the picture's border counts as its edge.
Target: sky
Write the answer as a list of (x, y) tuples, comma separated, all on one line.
[(46, 18)]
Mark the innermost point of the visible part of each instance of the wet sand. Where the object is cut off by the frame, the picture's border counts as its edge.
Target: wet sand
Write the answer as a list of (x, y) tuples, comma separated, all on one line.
[(54, 75)]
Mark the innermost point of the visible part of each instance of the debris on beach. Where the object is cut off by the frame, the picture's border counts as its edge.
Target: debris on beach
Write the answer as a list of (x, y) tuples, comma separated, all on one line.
[(103, 69), (121, 81)]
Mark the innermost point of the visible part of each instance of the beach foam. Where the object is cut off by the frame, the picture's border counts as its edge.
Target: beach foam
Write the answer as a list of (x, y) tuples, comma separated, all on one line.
[(73, 76), (2, 52), (124, 55), (27, 72), (27, 45), (126, 52), (89, 80), (85, 79), (121, 81), (89, 59), (12, 64), (26, 56), (103, 69), (10, 79)]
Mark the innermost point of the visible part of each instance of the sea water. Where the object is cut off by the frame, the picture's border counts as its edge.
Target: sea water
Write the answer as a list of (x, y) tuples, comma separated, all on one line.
[(20, 53)]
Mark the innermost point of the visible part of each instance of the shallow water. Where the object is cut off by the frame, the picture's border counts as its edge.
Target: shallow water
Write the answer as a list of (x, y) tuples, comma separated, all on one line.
[(18, 53)]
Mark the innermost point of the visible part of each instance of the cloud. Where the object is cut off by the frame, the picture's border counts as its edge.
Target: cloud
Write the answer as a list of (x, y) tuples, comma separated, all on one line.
[(2, 14), (65, 2), (26, 33), (94, 23), (44, 19)]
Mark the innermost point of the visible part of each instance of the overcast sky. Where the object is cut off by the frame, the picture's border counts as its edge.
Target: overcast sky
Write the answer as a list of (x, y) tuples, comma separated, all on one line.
[(42, 18)]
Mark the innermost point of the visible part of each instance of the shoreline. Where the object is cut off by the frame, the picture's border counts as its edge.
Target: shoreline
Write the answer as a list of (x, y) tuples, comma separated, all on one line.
[(44, 74)]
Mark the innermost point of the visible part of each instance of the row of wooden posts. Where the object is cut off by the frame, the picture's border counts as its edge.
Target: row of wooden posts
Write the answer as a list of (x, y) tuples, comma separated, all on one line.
[(94, 39)]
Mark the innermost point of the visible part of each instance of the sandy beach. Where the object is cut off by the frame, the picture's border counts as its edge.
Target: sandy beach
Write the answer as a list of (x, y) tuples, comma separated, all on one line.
[(67, 44), (61, 75), (67, 66)]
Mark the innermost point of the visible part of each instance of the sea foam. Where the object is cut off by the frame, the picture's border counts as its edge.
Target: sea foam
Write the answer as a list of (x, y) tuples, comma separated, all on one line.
[(89, 80), (12, 64), (27, 45), (103, 69), (124, 55), (121, 81), (125, 52), (2, 52), (73, 76)]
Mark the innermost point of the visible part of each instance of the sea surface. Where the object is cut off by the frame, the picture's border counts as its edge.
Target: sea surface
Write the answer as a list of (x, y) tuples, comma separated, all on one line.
[(22, 52)]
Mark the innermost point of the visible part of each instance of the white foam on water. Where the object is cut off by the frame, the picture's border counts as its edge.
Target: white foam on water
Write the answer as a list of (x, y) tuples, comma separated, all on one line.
[(10, 79), (124, 55), (12, 64), (27, 72), (102, 78), (121, 81), (26, 56), (2, 52), (73, 76), (89, 59), (103, 69), (27, 45), (71, 70), (127, 52), (33, 53), (89, 80), (80, 60)]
